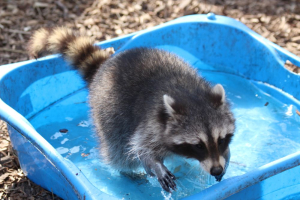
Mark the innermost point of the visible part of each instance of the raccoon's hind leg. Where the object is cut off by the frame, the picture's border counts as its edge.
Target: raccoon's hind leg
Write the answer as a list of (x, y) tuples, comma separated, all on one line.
[(157, 168)]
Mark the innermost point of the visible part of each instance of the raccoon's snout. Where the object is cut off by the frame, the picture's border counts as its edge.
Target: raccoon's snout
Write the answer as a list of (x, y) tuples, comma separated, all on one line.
[(216, 171)]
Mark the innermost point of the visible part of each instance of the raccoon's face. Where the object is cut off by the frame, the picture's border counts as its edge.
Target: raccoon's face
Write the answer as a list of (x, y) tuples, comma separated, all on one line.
[(201, 129)]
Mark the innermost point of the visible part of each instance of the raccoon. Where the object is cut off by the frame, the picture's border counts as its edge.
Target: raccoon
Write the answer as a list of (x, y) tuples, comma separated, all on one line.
[(147, 104)]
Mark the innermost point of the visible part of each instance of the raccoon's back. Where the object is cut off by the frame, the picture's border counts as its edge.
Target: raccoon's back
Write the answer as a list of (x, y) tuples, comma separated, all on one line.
[(134, 80), (126, 91)]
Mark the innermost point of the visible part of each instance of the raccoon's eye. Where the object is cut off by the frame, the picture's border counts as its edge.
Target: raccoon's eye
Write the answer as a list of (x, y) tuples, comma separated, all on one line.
[(221, 141), (225, 141), (199, 146)]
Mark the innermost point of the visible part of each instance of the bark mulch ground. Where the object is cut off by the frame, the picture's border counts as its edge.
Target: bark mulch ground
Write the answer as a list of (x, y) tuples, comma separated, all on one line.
[(277, 20)]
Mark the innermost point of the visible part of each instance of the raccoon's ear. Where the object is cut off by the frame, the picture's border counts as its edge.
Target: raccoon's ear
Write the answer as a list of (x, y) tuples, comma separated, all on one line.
[(168, 103), (217, 95), (172, 108)]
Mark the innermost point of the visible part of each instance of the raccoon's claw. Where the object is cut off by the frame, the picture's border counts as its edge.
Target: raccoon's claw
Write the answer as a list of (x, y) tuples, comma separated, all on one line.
[(164, 176), (172, 176), (167, 182), (164, 185)]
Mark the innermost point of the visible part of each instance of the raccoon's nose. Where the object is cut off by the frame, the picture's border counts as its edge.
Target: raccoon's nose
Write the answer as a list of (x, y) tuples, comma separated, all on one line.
[(216, 171)]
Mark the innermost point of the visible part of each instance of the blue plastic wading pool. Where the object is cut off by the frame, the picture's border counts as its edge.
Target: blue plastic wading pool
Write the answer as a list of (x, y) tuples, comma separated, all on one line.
[(41, 97)]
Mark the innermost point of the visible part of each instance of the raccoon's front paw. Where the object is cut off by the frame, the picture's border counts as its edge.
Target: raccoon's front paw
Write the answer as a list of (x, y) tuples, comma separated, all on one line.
[(167, 181), (165, 177)]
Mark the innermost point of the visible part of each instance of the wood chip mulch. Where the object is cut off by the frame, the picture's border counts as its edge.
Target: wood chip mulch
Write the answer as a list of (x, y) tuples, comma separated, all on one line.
[(277, 20)]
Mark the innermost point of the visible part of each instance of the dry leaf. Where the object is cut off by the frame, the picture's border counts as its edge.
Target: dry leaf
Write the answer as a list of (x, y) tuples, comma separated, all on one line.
[(85, 154), (177, 169)]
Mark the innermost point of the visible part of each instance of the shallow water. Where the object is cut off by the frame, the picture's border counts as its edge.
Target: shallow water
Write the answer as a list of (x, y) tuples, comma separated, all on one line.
[(264, 133)]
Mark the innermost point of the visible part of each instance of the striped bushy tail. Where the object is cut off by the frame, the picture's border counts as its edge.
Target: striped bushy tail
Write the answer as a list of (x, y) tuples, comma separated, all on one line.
[(77, 49)]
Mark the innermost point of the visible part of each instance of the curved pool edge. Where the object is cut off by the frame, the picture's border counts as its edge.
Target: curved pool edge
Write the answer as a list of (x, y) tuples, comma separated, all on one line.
[(233, 185), (73, 176), (278, 54)]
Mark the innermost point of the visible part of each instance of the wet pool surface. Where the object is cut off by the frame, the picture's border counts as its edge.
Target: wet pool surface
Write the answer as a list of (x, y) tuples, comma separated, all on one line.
[(267, 129)]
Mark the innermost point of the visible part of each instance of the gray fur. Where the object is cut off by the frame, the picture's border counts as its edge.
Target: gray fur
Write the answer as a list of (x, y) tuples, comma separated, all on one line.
[(128, 100)]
